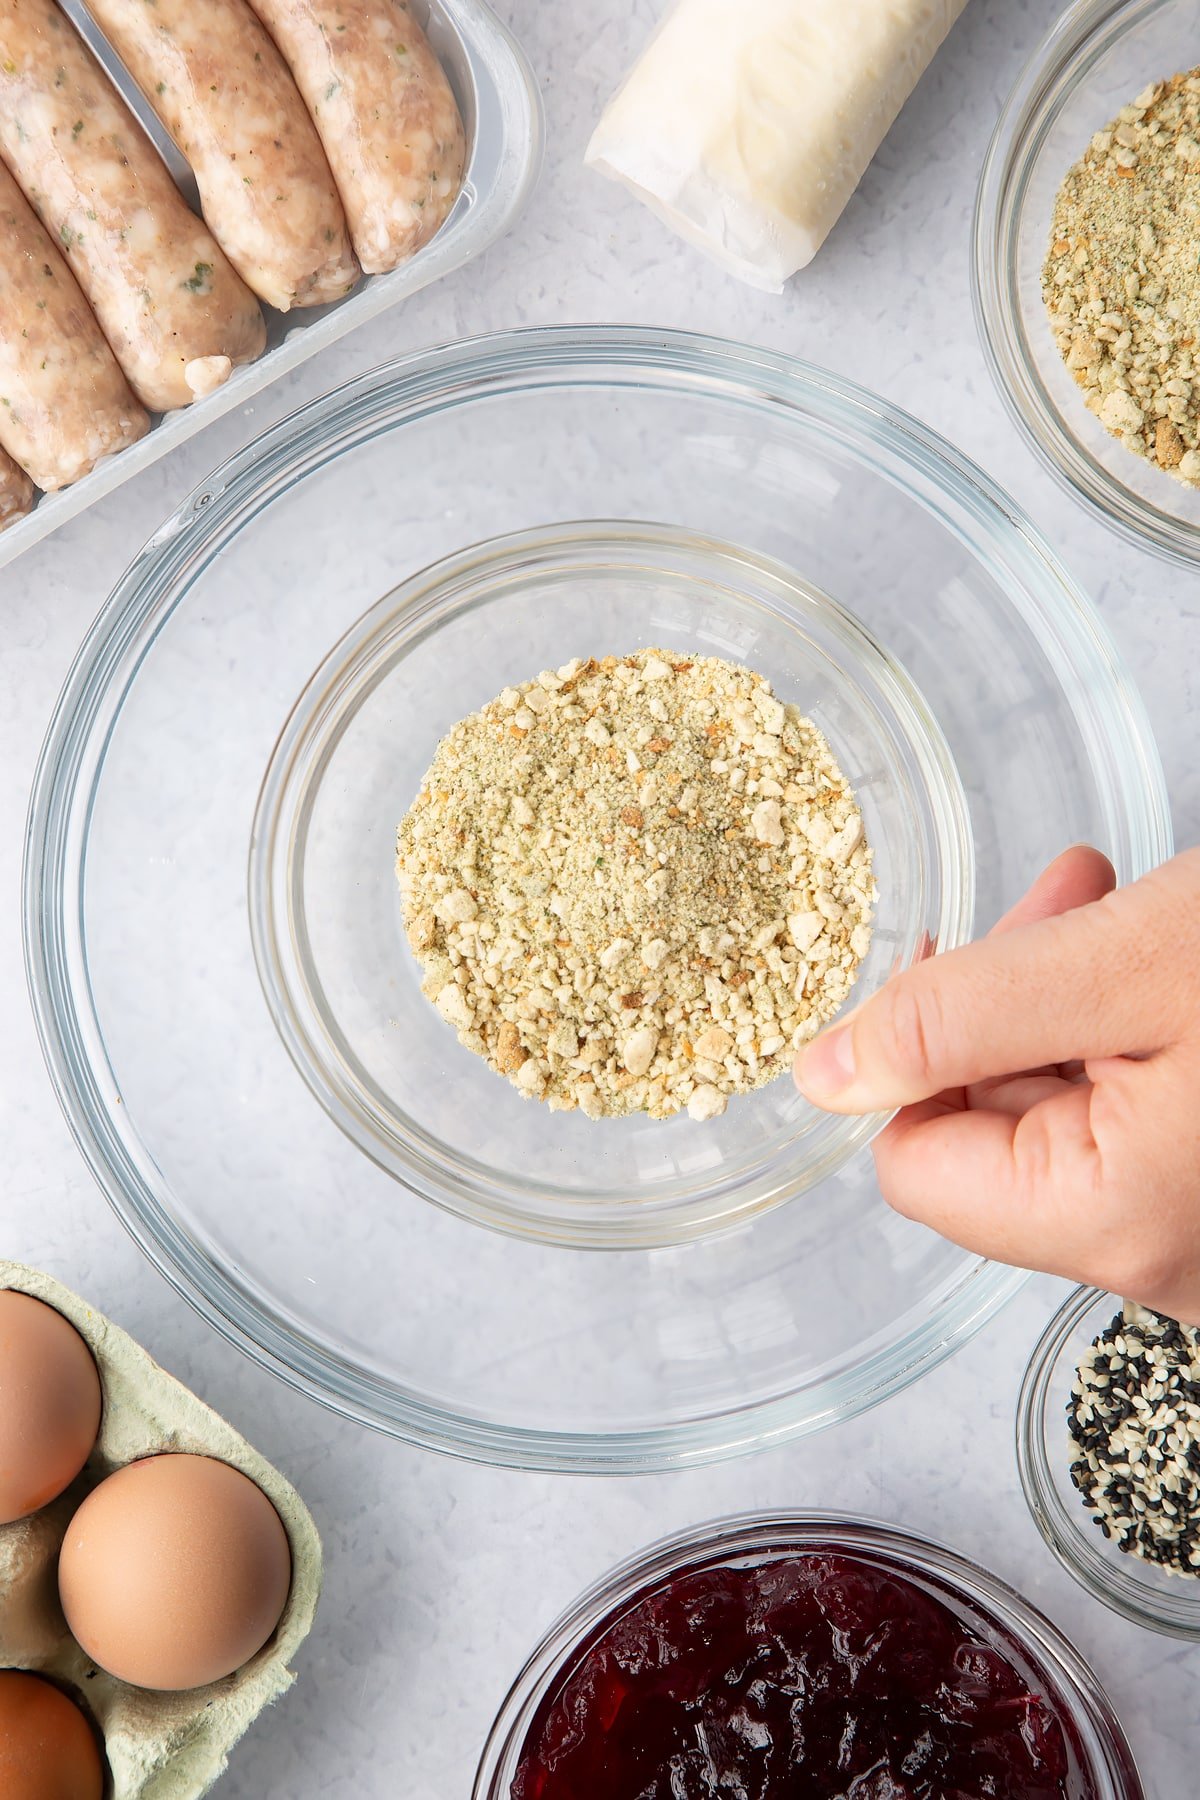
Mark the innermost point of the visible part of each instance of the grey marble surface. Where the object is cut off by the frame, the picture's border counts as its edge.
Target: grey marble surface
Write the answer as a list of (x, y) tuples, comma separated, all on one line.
[(440, 1576)]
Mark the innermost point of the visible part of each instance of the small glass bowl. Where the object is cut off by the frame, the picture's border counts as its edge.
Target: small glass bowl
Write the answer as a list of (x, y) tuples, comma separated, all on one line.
[(325, 910), (984, 1602), (1098, 56), (1136, 1589)]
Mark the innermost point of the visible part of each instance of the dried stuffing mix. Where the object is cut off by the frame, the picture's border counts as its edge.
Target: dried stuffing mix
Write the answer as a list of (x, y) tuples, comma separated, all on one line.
[(1134, 1419), (1122, 279), (636, 884)]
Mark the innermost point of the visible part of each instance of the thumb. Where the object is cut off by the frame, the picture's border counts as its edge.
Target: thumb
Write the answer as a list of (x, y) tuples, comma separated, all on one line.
[(1043, 990), (1076, 878)]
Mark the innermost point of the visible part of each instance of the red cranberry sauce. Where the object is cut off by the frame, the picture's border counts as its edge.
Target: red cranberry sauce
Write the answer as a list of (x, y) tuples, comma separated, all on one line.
[(809, 1677)]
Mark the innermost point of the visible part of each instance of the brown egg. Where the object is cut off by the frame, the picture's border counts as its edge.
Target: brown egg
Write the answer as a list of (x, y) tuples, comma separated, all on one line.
[(174, 1572), (48, 1751), (49, 1404)]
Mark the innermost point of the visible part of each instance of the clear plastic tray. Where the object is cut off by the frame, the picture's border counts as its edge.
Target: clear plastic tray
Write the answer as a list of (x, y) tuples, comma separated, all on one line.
[(501, 109)]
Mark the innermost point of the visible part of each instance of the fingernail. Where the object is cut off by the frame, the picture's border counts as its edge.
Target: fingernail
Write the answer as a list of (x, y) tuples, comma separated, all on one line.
[(827, 1065)]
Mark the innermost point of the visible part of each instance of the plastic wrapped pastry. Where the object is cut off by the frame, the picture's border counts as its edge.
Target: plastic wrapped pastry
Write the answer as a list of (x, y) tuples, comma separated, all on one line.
[(748, 124)]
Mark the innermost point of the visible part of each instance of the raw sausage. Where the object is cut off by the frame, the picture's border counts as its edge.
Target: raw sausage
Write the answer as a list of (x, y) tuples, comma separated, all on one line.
[(64, 403), (386, 114), (16, 491), (224, 93), (175, 313)]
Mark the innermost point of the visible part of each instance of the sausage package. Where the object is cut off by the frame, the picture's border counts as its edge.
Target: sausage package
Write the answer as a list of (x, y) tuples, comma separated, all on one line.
[(159, 1746), (747, 127)]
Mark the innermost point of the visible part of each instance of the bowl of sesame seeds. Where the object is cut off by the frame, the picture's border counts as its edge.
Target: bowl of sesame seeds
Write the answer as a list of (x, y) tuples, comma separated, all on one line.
[(1086, 246), (1108, 1447)]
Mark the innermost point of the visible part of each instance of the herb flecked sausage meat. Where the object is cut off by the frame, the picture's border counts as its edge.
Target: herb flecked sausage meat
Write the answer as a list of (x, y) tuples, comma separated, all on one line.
[(386, 114), (64, 402), (173, 309), (221, 88), (16, 491)]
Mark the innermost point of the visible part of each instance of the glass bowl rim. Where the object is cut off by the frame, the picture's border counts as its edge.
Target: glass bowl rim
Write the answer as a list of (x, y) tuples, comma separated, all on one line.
[(905, 451), (1085, 30), (741, 1534), (406, 617), (1117, 1586)]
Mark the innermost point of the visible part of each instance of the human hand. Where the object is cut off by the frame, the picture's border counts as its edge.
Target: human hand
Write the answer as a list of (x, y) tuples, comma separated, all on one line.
[(1048, 1078)]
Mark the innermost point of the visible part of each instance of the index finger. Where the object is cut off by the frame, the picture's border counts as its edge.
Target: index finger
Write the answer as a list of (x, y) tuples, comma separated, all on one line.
[(1076, 878), (1093, 982)]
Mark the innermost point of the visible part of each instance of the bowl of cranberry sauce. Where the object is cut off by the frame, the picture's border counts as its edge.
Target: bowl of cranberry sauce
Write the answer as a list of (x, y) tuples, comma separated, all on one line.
[(774, 1657)]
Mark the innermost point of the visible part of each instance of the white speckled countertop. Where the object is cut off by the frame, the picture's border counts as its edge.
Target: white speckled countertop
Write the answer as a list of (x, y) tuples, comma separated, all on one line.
[(440, 1575)]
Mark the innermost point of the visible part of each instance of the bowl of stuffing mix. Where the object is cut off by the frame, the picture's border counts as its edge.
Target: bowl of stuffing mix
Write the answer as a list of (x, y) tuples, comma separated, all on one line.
[(697, 812), (1086, 251)]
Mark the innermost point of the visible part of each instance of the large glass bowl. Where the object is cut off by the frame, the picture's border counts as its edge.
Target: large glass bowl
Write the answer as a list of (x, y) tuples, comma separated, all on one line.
[(985, 1605), (260, 1204), (1099, 54)]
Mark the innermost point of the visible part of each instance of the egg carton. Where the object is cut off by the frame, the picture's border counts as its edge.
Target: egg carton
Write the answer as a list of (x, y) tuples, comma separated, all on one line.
[(159, 1746)]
